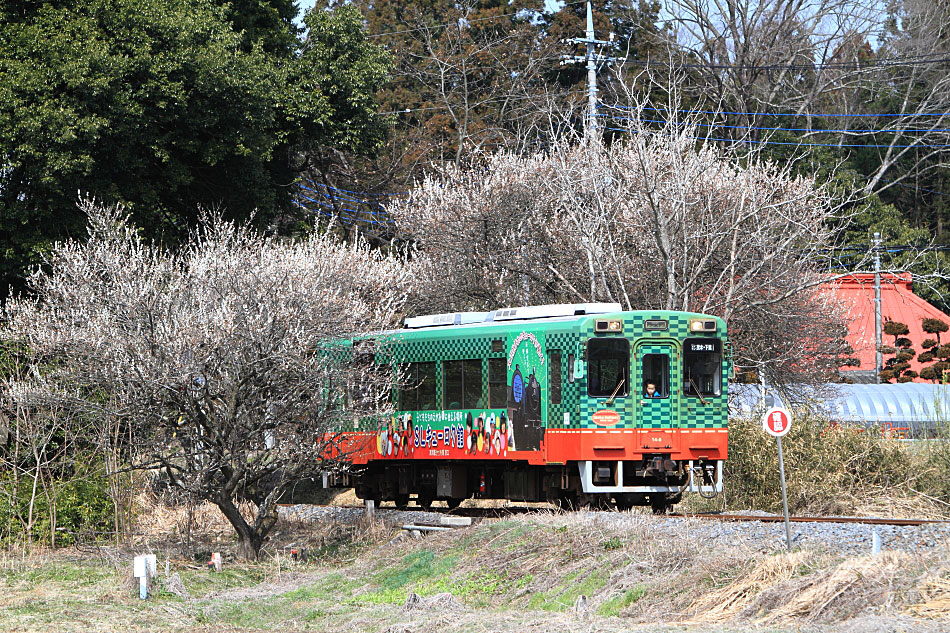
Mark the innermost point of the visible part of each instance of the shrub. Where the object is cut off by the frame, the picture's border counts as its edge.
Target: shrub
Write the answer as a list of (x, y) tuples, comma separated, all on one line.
[(829, 468), (81, 504)]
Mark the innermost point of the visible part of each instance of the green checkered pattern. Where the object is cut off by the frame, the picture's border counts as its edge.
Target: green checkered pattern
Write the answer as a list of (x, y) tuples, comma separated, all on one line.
[(434, 349), (677, 411)]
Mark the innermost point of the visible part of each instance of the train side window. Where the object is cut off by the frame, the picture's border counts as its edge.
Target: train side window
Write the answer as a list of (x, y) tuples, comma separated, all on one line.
[(702, 366), (417, 387), (656, 372), (570, 368), (554, 376), (497, 383), (462, 384), (608, 361)]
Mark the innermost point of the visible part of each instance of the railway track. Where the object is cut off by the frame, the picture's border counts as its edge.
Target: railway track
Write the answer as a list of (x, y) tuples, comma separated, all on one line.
[(494, 513)]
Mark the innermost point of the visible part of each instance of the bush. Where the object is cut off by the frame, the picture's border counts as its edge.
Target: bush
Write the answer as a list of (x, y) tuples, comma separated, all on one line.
[(81, 504), (829, 468)]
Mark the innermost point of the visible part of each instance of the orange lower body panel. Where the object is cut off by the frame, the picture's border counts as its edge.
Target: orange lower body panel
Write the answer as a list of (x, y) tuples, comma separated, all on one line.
[(559, 446), (565, 445)]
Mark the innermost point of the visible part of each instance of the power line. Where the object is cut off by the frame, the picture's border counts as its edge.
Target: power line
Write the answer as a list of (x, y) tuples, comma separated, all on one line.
[(804, 114), (911, 60), (341, 217), (775, 129), (793, 143)]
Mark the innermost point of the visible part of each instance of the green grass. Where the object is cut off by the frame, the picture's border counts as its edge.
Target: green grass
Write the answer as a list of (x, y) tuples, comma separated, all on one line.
[(396, 582), (613, 606), (563, 597)]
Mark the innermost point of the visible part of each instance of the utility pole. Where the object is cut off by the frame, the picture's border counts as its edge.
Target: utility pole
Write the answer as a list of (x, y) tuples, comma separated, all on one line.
[(877, 308), (591, 58)]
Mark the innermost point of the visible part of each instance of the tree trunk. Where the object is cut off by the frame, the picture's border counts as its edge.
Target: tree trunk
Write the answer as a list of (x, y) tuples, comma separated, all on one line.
[(250, 540)]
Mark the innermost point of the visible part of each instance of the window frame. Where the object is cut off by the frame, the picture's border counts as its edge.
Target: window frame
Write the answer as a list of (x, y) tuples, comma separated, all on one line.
[(413, 376), (718, 351), (664, 392), (501, 380), (625, 368), (472, 362)]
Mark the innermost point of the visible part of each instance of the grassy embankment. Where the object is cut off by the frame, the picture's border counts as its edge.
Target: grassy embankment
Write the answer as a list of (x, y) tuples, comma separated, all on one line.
[(543, 572)]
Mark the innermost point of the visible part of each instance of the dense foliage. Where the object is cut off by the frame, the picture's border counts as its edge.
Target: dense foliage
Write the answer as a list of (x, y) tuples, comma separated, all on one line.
[(168, 105)]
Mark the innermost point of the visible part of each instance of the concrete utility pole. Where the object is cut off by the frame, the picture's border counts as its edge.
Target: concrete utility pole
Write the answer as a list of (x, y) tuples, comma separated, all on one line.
[(590, 59), (877, 308)]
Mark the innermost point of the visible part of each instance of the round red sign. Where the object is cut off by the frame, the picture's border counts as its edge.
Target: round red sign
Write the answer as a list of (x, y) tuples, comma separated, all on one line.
[(777, 421), (606, 418)]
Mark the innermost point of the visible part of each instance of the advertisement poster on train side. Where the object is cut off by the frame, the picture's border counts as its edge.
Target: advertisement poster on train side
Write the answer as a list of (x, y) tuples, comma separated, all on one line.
[(527, 382), (478, 433)]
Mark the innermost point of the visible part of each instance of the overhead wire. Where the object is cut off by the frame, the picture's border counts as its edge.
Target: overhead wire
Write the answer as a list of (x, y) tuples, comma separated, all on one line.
[(791, 143), (777, 129), (777, 114), (910, 60)]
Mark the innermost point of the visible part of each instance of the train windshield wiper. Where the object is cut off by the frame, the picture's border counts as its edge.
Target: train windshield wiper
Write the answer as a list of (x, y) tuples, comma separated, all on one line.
[(614, 394)]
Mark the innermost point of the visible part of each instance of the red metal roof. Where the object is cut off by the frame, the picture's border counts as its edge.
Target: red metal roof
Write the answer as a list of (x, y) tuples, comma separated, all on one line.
[(898, 303)]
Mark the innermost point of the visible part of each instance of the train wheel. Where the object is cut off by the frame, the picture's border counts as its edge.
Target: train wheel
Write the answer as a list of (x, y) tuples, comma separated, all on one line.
[(402, 501), (424, 502), (453, 502), (659, 504)]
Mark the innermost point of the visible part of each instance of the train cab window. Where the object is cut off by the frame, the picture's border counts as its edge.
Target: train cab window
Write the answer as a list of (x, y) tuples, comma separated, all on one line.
[(656, 372), (570, 368), (608, 362), (417, 387), (554, 376), (702, 367), (497, 383), (462, 384)]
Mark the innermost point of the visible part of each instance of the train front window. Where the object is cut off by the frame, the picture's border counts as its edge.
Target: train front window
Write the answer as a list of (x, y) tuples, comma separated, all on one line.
[(656, 372), (702, 367), (608, 361)]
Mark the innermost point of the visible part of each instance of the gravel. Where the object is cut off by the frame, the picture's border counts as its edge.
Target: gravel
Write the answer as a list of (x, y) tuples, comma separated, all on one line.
[(844, 538)]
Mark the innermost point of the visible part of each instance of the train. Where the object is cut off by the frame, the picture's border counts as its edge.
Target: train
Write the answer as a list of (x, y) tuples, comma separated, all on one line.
[(579, 405)]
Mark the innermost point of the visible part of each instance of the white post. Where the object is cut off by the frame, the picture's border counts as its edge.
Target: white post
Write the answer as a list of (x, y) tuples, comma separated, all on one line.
[(370, 511), (591, 74), (140, 571), (781, 471)]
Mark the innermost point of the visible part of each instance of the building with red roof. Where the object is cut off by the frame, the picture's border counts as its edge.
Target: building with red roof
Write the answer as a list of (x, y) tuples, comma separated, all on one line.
[(898, 303)]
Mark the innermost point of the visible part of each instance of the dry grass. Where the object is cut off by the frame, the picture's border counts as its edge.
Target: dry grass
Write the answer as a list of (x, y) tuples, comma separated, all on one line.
[(847, 589), (525, 573), (732, 600), (935, 599)]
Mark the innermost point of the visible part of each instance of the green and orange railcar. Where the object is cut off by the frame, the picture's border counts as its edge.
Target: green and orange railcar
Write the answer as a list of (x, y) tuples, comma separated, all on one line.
[(578, 404)]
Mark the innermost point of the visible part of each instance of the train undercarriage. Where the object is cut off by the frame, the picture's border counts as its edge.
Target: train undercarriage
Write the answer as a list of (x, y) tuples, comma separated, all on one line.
[(654, 481)]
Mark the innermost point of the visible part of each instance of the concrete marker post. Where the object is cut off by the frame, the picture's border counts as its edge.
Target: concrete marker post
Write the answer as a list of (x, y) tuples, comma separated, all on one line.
[(370, 511)]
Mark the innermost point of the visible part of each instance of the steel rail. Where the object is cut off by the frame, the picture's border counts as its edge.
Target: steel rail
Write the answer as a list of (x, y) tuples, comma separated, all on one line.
[(771, 518), (764, 518)]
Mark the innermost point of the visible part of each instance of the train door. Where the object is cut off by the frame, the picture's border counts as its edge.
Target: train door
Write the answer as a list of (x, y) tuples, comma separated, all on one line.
[(527, 388), (657, 395)]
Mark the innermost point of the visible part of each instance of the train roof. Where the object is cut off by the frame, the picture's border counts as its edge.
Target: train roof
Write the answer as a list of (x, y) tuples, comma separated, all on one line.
[(524, 315)]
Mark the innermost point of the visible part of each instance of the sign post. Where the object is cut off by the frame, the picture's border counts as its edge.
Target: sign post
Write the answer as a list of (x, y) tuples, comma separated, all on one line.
[(777, 422)]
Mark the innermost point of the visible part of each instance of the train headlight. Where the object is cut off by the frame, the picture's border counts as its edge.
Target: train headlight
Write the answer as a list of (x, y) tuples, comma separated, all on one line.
[(702, 325), (608, 326)]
